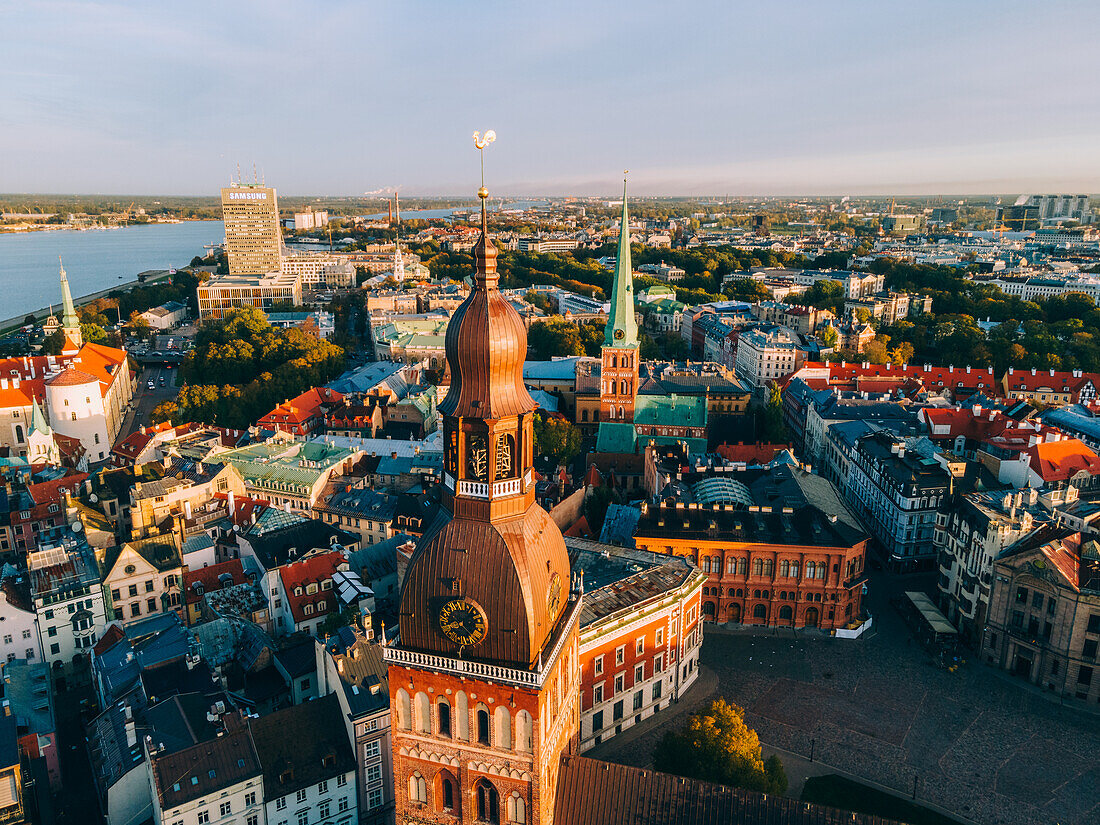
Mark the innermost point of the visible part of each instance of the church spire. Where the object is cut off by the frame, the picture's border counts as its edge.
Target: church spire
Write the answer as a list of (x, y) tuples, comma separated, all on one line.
[(70, 323), (622, 327)]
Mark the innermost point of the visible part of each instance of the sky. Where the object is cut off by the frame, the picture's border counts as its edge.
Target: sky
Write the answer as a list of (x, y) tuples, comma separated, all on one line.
[(695, 98)]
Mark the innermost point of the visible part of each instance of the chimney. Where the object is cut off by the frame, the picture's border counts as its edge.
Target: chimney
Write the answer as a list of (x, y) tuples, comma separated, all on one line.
[(1033, 370), (232, 497), (187, 510)]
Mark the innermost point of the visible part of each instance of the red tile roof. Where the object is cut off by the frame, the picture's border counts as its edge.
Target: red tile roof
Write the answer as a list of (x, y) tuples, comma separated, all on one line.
[(300, 409), (750, 453), (51, 492), (210, 578), (1062, 460), (313, 570)]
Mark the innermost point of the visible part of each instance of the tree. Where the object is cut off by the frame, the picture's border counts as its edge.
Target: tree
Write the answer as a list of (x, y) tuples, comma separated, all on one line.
[(717, 746), (769, 419), (29, 320), (828, 336), (164, 411), (54, 343), (557, 438), (93, 333), (596, 502)]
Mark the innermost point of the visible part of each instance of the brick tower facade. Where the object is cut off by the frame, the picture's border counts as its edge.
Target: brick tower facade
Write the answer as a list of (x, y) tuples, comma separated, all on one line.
[(619, 357), (484, 681)]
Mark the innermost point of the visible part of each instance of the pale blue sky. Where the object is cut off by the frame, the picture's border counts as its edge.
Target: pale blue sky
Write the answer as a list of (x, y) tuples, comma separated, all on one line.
[(693, 97)]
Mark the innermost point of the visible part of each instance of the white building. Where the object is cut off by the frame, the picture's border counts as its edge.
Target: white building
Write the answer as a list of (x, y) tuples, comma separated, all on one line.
[(216, 782), (320, 270), (76, 410), (18, 623), (68, 599), (767, 353), (166, 316)]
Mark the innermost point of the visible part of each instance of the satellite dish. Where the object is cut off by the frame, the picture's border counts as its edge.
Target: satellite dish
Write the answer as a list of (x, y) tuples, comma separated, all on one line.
[(93, 498), (236, 528), (77, 526)]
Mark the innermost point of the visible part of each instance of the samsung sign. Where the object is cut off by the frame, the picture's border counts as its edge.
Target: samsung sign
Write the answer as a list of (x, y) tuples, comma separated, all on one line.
[(248, 196)]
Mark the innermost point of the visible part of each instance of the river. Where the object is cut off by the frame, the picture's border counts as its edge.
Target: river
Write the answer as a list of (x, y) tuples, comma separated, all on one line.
[(95, 259)]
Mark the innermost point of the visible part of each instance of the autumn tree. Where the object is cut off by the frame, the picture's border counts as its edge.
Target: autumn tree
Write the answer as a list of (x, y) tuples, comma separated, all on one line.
[(717, 746), (556, 438)]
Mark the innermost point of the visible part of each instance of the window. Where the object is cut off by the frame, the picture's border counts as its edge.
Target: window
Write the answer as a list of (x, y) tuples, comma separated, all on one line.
[(323, 809), (517, 808), (657, 690), (151, 605), (619, 684), (597, 721), (418, 788), (659, 637), (133, 590), (51, 632), (620, 655), (303, 817), (444, 718), (483, 726), (638, 699), (280, 803), (322, 786), (225, 809), (374, 774), (617, 711), (7, 638), (374, 799), (1084, 675), (1021, 595), (597, 665), (597, 694), (115, 594), (639, 646), (658, 663), (341, 780), (250, 799), (252, 819), (342, 805), (302, 795), (149, 586), (488, 802), (204, 817), (1093, 625), (639, 673), (372, 750), (135, 609)]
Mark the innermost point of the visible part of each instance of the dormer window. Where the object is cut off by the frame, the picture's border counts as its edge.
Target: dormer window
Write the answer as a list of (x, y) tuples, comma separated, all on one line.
[(311, 588), (326, 584), (308, 610), (298, 591)]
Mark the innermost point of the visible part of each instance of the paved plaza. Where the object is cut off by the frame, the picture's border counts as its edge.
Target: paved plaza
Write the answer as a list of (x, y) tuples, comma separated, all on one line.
[(974, 742)]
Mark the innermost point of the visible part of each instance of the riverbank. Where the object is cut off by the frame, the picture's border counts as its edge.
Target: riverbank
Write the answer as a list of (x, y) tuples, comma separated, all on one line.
[(151, 276)]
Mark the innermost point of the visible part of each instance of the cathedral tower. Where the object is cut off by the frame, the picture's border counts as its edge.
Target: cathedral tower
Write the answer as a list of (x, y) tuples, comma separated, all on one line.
[(619, 367), (484, 682), (70, 322)]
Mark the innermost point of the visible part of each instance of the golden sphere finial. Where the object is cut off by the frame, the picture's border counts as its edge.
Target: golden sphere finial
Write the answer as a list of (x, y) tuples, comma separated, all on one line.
[(483, 193)]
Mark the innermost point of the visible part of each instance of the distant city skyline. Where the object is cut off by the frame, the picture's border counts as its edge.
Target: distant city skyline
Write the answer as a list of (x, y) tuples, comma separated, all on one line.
[(696, 99)]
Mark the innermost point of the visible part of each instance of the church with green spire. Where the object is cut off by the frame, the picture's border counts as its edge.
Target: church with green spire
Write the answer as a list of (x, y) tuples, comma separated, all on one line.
[(619, 357), (70, 321)]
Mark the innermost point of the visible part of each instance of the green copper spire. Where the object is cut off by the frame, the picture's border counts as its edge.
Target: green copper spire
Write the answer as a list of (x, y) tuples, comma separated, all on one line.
[(68, 316), (38, 420), (622, 327)]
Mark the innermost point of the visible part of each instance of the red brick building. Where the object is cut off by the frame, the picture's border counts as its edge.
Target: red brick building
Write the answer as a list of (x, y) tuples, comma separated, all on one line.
[(640, 634), (778, 545)]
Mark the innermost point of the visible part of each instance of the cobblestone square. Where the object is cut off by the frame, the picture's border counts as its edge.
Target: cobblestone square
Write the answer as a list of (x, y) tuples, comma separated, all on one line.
[(976, 742)]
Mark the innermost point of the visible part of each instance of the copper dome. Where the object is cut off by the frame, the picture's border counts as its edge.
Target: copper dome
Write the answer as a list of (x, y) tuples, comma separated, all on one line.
[(510, 569), (486, 346)]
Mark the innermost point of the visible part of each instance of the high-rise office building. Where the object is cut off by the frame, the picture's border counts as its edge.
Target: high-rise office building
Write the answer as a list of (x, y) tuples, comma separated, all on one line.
[(252, 240)]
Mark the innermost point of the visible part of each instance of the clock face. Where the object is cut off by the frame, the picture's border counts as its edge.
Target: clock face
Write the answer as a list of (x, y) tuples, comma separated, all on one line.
[(462, 621), (553, 594), (619, 334)]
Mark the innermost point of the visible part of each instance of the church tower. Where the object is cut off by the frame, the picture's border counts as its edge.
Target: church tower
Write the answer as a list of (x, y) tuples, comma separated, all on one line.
[(619, 367), (70, 323), (484, 682)]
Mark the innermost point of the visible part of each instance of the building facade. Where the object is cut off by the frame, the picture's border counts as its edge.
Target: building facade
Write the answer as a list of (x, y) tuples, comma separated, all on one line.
[(253, 242)]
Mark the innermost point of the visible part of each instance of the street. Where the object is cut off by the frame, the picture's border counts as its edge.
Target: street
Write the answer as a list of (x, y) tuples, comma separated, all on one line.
[(146, 399)]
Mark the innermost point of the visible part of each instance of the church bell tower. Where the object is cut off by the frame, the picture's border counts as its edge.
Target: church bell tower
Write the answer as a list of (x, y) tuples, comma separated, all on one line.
[(484, 681), (619, 356)]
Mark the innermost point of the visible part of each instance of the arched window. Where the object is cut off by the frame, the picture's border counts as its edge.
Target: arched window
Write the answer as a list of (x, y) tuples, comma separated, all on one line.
[(821, 568), (622, 388), (444, 718), (462, 716), (784, 568), (731, 566), (418, 788), (622, 414), (742, 567), (794, 570), (404, 716), (811, 569), (446, 792), (614, 361), (812, 617), (769, 567), (785, 613), (488, 802), (708, 610), (19, 433), (502, 727), (517, 808), (760, 612), (731, 592), (483, 725), (422, 713), (524, 732), (758, 567)]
